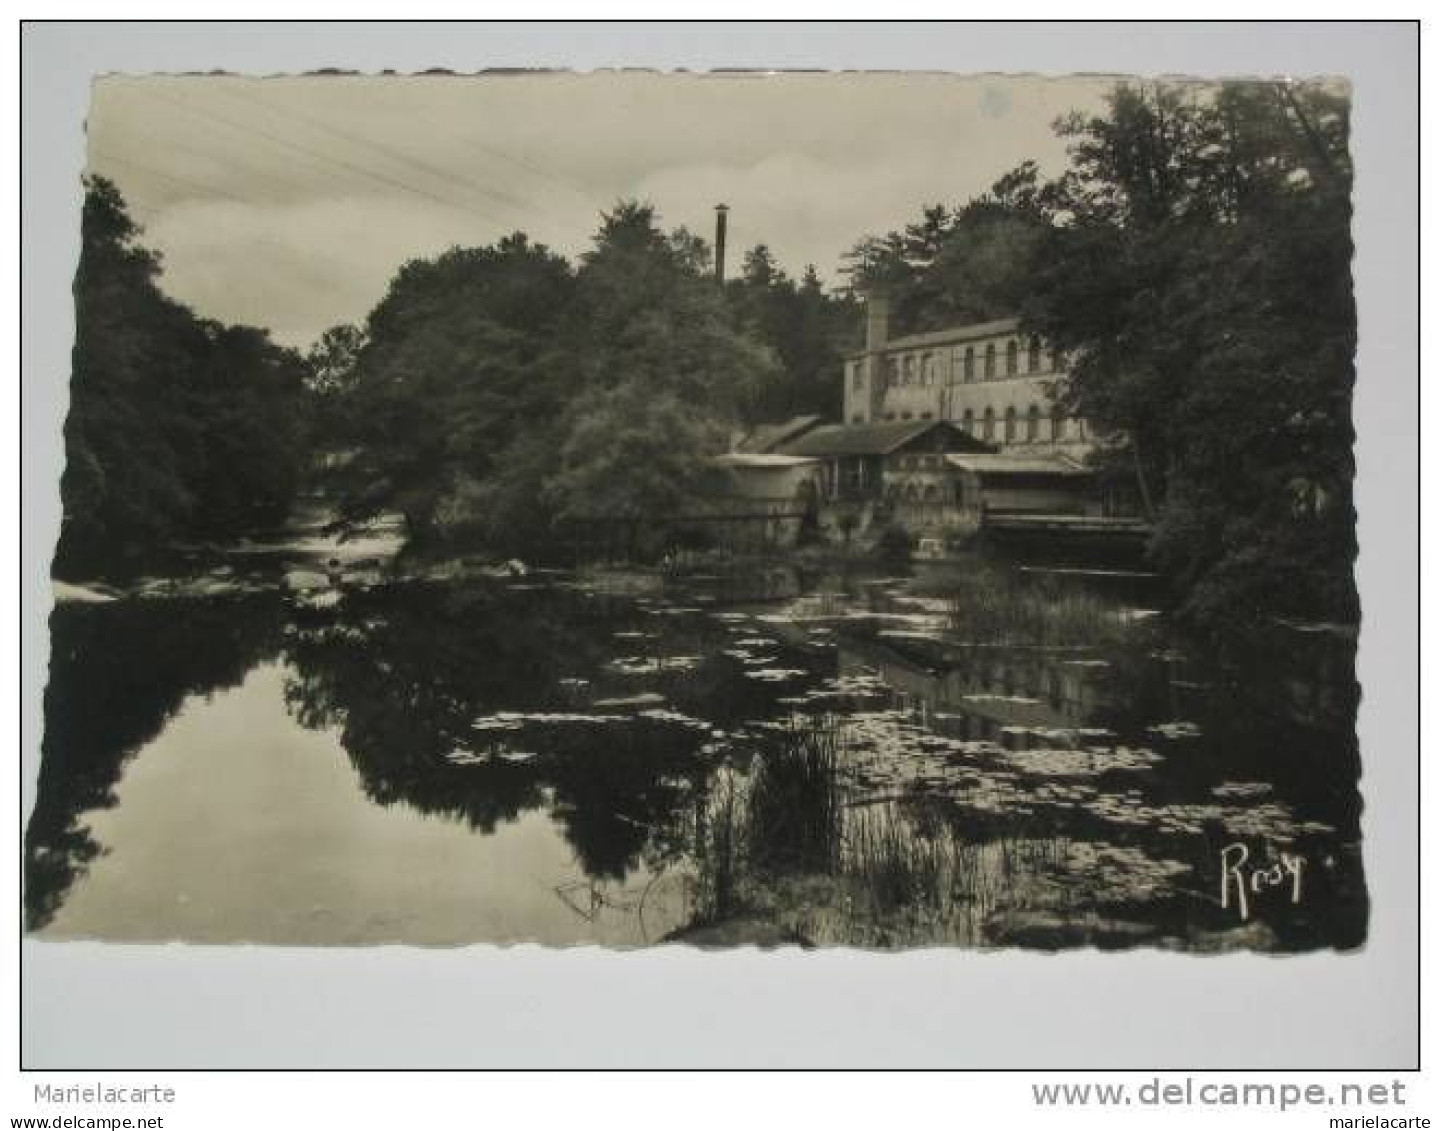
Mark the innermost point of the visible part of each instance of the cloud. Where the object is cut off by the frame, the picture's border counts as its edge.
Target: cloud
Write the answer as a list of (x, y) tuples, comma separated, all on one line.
[(296, 269), (289, 203)]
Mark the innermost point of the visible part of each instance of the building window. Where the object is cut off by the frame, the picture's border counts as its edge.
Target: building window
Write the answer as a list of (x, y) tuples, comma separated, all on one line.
[(1011, 416), (1033, 361), (858, 418), (927, 415), (988, 428), (1057, 424), (905, 415), (990, 362), (889, 416), (968, 422), (1032, 424), (1012, 358), (857, 378), (909, 369), (928, 368), (969, 364), (1057, 360), (892, 370)]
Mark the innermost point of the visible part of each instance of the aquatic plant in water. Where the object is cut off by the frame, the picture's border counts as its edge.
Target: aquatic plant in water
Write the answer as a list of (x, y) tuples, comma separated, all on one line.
[(986, 605)]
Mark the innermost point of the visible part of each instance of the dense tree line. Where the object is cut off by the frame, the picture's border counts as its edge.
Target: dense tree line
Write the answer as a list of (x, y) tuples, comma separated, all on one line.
[(180, 429), (1193, 261), (809, 328), (1199, 273), (973, 262), (500, 393)]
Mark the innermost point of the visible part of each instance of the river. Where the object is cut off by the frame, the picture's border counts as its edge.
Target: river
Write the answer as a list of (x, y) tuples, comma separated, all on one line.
[(597, 757)]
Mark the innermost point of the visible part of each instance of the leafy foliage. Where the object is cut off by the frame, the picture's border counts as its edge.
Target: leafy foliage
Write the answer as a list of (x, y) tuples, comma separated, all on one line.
[(1193, 265), (1198, 274), (972, 263), (809, 330), (460, 351), (500, 392)]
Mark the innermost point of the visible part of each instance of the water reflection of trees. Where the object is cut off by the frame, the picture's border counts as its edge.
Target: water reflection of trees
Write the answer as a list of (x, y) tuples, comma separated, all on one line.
[(1276, 714), (119, 672), (1282, 707), (405, 674)]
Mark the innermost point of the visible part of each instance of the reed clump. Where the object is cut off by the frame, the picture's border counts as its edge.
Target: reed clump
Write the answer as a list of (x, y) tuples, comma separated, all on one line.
[(781, 815), (896, 868), (795, 803), (990, 606)]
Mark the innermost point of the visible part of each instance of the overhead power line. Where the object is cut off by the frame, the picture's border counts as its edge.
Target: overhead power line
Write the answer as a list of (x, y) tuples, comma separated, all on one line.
[(394, 154), (149, 211), (151, 171), (311, 155)]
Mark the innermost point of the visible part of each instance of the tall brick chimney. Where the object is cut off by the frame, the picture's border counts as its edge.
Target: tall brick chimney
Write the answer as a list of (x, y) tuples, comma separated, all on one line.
[(877, 319), (721, 213)]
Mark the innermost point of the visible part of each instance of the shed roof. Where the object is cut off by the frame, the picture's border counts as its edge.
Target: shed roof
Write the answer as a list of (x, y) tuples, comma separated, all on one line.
[(766, 437), (873, 439), (761, 459), (1027, 464)]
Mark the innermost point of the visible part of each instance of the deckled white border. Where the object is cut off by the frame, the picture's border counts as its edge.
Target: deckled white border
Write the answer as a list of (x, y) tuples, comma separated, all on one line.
[(93, 1006)]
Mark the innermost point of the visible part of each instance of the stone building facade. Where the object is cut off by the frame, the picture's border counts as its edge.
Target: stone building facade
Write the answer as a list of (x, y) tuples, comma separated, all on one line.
[(987, 378)]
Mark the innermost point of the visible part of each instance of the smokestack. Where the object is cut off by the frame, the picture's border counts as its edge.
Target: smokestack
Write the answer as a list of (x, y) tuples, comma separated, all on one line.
[(721, 211), (877, 318)]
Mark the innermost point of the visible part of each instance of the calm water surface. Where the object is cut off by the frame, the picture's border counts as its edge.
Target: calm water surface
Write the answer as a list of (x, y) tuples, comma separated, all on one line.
[(570, 760)]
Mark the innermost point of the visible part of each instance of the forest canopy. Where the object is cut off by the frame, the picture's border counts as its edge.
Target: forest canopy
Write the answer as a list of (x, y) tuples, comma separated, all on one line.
[(180, 429), (500, 392), (1191, 260)]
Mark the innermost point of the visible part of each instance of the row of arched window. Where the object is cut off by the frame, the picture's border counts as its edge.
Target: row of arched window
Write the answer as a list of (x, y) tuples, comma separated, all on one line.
[(1012, 427), (990, 358), (971, 365)]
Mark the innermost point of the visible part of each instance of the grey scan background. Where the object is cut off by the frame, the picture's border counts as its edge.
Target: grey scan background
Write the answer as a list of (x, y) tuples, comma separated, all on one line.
[(94, 1005)]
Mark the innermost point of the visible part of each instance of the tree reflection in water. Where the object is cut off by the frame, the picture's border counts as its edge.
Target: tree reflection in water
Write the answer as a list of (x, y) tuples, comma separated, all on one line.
[(833, 769), (118, 673), (405, 674)]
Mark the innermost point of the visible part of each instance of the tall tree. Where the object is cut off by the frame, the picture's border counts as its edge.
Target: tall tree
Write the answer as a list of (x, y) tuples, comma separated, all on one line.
[(1199, 278), (179, 429), (668, 370), (459, 359), (809, 330), (499, 392), (972, 263)]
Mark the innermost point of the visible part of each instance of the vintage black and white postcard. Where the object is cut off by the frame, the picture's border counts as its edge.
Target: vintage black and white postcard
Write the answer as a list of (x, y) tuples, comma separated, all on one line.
[(833, 510)]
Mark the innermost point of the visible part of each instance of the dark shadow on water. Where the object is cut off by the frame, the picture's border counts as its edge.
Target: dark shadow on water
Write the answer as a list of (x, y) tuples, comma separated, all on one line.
[(118, 672), (834, 764)]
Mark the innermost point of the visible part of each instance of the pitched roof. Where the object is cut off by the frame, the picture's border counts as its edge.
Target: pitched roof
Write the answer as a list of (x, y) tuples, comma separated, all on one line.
[(1028, 464), (868, 439), (950, 335), (760, 459), (766, 437)]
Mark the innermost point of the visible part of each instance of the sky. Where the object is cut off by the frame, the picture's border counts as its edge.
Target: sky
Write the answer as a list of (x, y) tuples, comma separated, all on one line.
[(290, 202)]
